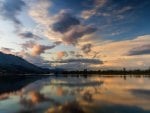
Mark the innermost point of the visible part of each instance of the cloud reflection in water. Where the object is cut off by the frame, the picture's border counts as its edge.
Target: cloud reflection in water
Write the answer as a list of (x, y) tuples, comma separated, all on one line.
[(80, 95)]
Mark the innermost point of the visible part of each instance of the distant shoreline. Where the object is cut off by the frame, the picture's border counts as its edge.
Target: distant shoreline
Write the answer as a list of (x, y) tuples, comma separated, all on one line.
[(110, 72)]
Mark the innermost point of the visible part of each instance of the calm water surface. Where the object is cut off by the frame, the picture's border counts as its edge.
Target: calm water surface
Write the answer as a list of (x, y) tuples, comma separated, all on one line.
[(80, 95)]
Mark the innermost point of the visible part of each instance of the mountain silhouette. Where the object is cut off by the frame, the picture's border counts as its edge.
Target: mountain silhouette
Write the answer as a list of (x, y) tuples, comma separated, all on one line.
[(14, 64)]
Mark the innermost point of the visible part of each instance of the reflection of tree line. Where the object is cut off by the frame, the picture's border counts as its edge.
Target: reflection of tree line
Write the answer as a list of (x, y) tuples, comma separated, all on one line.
[(12, 83), (110, 72)]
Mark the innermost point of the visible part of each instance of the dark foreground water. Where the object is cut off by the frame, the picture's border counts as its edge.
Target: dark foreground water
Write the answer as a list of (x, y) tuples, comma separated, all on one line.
[(80, 95)]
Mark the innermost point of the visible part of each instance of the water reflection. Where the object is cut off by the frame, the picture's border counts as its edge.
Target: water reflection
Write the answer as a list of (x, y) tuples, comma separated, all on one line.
[(141, 93), (80, 95)]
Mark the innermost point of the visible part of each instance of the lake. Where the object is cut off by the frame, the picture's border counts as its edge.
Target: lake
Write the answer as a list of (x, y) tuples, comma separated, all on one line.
[(94, 94)]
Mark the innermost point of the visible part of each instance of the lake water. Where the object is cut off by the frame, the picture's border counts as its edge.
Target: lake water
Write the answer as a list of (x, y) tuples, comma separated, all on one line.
[(80, 95)]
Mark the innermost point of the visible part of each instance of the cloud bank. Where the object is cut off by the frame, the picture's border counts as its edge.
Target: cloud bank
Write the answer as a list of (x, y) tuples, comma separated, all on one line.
[(10, 9)]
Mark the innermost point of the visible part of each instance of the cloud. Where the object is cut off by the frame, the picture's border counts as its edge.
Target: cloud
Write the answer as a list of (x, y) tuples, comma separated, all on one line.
[(39, 49), (117, 54), (6, 50), (63, 27), (123, 10), (86, 48), (75, 54), (39, 12), (72, 36), (97, 4), (67, 28), (28, 44), (28, 35), (57, 43), (88, 13), (65, 22), (117, 12), (140, 50), (61, 54), (88, 61), (78, 55), (11, 8), (36, 49), (121, 48)]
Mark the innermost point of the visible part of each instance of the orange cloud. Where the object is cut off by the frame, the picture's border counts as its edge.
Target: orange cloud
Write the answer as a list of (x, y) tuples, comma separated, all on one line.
[(61, 54), (39, 49)]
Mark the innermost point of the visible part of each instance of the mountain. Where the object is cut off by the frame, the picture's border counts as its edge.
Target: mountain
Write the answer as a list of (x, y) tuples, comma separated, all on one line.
[(14, 64)]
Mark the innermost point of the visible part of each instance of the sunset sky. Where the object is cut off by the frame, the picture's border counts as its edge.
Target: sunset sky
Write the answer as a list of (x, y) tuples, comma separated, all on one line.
[(77, 34)]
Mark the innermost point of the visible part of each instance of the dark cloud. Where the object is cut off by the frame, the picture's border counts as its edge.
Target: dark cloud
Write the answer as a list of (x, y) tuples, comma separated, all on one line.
[(86, 48), (27, 35), (83, 31), (77, 32), (65, 22), (141, 50), (57, 42), (78, 55), (28, 44), (75, 54), (70, 28), (88, 61), (6, 49), (11, 8), (95, 54)]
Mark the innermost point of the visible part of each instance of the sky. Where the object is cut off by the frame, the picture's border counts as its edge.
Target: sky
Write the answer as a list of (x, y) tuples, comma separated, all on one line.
[(77, 34)]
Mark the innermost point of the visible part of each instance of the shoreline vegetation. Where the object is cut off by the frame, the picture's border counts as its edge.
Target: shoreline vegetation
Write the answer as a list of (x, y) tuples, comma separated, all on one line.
[(82, 72), (110, 72)]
